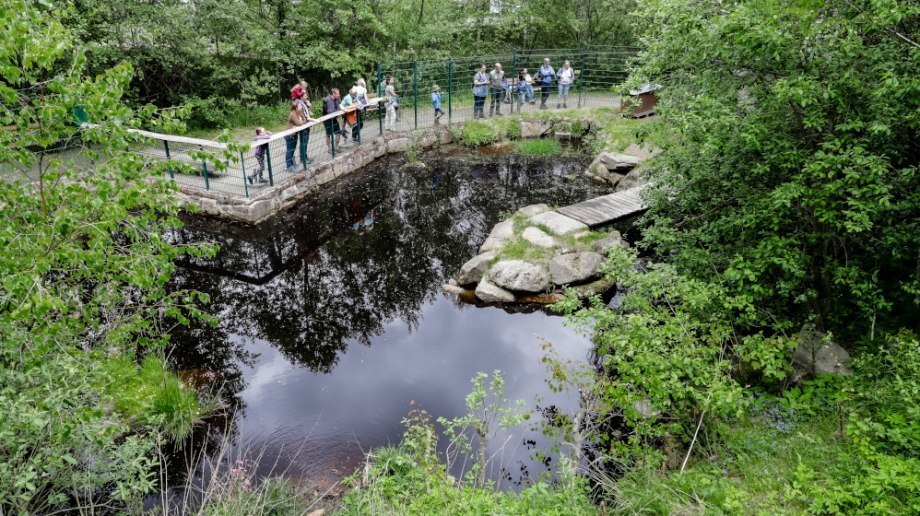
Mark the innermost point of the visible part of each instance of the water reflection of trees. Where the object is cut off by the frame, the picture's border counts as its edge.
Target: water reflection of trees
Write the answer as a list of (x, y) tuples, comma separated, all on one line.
[(310, 283)]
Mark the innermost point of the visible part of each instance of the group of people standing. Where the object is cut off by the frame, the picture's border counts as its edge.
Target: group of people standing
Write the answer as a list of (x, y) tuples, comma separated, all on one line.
[(354, 104), (495, 83), (301, 113)]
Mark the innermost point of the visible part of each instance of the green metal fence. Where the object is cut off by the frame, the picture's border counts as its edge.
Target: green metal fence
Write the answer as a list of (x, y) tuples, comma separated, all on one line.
[(598, 71)]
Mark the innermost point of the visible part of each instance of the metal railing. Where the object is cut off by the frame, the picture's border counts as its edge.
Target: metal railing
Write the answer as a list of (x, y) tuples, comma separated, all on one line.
[(234, 169)]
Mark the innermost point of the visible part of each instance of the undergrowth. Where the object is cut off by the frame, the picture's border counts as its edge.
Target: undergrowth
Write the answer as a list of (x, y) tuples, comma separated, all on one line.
[(151, 395)]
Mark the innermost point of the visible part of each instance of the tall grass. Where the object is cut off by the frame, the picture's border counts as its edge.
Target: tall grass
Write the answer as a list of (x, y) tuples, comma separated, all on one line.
[(152, 395), (547, 147)]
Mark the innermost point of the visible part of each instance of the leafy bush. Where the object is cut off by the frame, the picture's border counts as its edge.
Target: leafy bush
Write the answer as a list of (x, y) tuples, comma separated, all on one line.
[(883, 476), (666, 347)]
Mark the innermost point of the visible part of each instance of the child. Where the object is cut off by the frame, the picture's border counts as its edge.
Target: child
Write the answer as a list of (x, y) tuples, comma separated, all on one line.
[(436, 102), (261, 134)]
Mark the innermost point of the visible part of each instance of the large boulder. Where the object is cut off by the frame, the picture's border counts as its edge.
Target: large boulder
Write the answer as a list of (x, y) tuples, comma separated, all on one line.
[(575, 267), (816, 354), (534, 128), (491, 293), (538, 238), (500, 234), (598, 172), (603, 246), (472, 271), (634, 178), (519, 276), (558, 223), (616, 162)]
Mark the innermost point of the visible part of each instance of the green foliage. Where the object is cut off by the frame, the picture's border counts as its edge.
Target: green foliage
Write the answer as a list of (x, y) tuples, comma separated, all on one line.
[(251, 52), (57, 441), (547, 147), (792, 176), (884, 472), (666, 347), (411, 479), (84, 265), (487, 410), (412, 154), (476, 133)]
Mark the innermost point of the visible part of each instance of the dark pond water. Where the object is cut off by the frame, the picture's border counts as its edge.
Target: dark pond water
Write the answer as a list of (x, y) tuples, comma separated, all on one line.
[(333, 322)]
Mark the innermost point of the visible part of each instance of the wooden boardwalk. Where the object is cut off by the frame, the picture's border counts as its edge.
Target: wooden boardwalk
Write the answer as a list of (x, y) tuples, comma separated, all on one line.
[(606, 208)]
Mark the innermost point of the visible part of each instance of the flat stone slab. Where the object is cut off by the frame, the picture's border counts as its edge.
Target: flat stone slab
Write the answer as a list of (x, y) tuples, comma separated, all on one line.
[(558, 223), (537, 237), (500, 234)]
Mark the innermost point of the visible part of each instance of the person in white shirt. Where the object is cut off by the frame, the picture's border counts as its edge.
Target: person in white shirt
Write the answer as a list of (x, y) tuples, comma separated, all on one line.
[(566, 78)]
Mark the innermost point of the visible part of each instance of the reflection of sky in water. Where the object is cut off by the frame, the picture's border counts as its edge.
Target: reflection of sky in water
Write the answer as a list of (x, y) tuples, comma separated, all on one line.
[(332, 319), (363, 401)]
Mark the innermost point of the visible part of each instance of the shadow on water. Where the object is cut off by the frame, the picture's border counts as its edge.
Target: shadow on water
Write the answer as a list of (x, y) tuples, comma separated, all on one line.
[(332, 319)]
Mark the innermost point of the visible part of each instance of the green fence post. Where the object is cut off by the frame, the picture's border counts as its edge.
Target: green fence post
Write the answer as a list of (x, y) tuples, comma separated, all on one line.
[(415, 89), (450, 88), (166, 148), (204, 170), (380, 108), (581, 80), (243, 168), (268, 159), (513, 75)]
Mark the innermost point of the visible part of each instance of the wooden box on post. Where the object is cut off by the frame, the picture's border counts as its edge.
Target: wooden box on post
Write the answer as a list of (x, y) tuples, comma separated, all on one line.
[(641, 102)]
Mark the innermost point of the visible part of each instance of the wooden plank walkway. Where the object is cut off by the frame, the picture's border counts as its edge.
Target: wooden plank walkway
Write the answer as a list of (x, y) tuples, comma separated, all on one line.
[(606, 208)]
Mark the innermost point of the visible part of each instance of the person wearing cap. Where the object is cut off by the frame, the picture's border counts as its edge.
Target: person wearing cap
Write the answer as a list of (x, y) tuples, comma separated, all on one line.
[(436, 102), (351, 106)]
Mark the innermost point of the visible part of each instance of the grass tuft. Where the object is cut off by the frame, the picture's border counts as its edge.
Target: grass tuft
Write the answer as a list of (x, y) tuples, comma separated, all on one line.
[(151, 394), (547, 147)]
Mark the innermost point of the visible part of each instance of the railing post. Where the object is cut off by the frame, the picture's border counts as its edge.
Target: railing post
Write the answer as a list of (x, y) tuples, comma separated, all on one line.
[(268, 159), (380, 109), (204, 170), (243, 168), (415, 89), (169, 168), (332, 138), (450, 88), (581, 80), (513, 75)]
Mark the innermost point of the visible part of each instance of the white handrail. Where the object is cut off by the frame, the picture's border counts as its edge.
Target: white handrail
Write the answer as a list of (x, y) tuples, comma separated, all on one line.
[(287, 132)]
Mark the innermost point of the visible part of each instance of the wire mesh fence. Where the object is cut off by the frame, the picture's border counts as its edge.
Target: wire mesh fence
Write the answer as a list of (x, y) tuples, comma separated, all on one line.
[(533, 80)]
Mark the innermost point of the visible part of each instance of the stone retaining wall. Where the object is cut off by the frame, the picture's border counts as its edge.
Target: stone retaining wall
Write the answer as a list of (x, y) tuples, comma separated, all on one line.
[(292, 190)]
